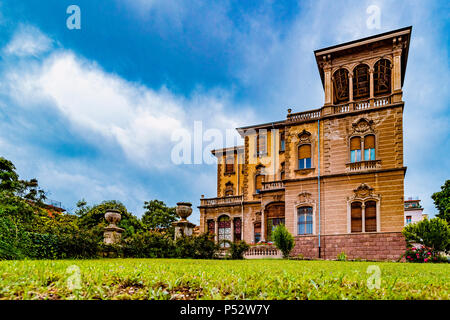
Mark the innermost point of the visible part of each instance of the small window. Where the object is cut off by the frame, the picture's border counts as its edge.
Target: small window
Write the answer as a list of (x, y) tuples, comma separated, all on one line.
[(305, 220), (257, 228), (282, 172), (237, 229), (229, 164), (370, 216), (211, 227), (369, 147), (304, 156), (356, 217), (355, 149), (261, 143), (259, 179), (408, 219), (282, 141)]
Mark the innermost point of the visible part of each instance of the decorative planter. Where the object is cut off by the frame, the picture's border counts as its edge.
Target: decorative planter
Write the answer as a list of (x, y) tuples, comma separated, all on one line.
[(184, 210)]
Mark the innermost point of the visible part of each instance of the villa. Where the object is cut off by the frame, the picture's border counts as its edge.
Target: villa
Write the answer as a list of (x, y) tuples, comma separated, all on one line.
[(334, 176)]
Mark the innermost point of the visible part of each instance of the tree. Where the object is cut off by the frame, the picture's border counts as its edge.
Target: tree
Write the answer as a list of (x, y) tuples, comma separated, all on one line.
[(94, 217), (283, 239), (432, 233), (442, 201), (158, 215)]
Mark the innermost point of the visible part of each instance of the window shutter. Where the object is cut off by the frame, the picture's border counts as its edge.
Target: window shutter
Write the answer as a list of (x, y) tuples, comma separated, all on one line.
[(371, 216), (304, 151), (369, 142), (355, 143), (356, 217)]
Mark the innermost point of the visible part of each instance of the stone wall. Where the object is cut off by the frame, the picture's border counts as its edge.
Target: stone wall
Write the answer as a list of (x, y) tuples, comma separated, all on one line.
[(377, 246)]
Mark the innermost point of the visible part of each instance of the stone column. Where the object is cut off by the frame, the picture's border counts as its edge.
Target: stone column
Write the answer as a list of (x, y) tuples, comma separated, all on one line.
[(350, 90), (371, 97), (216, 235), (232, 229), (363, 217), (328, 85), (263, 226)]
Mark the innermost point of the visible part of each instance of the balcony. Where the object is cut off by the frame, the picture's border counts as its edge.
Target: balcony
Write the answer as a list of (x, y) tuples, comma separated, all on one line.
[(302, 116), (273, 185), (363, 165), (222, 201)]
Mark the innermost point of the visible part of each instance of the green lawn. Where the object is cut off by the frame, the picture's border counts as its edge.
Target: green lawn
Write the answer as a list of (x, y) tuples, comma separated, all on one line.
[(215, 279)]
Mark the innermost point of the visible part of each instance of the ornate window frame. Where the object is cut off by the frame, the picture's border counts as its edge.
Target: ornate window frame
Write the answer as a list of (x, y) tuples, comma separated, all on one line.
[(363, 193), (362, 128), (305, 138), (305, 200)]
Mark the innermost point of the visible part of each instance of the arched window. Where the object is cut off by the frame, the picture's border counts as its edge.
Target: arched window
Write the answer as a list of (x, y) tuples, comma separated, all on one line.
[(355, 149), (304, 156), (369, 147), (224, 230), (370, 216), (229, 164), (340, 84), (229, 191), (361, 82), (356, 217), (305, 220), (382, 77)]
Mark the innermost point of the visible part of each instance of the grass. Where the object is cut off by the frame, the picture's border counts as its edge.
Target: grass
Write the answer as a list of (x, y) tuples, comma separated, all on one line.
[(217, 279)]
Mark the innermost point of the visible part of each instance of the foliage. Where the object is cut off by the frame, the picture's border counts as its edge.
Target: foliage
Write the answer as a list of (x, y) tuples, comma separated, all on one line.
[(422, 254), (198, 247), (107, 279), (94, 217), (149, 245), (432, 233), (158, 216), (238, 249), (283, 240), (442, 201), (342, 256)]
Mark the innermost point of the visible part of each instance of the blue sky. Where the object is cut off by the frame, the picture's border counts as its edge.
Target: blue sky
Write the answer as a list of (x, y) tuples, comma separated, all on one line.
[(90, 112)]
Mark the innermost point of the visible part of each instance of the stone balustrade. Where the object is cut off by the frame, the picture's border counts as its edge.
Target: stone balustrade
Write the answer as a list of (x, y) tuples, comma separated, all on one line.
[(363, 165), (273, 185), (221, 201), (262, 252)]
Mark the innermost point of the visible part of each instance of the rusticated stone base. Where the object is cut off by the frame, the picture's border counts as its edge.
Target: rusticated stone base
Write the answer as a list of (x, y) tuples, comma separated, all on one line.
[(376, 246)]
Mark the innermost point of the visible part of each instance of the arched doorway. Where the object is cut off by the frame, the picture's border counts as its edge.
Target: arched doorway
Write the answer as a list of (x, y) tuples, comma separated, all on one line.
[(274, 213), (224, 230)]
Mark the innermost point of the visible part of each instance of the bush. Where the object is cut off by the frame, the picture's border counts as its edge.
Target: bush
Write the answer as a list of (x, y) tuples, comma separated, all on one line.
[(149, 245), (197, 247), (422, 254), (342, 256), (283, 240), (238, 249), (433, 234)]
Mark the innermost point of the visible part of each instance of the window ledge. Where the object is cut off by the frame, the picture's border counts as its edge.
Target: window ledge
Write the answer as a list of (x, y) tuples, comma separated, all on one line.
[(229, 173), (305, 170)]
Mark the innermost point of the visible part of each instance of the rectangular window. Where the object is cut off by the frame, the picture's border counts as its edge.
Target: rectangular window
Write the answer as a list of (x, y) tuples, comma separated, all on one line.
[(257, 227), (305, 220), (408, 219), (369, 147), (355, 155), (282, 142)]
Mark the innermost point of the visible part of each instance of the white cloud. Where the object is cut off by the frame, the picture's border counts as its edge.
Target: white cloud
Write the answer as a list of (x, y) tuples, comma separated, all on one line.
[(28, 41)]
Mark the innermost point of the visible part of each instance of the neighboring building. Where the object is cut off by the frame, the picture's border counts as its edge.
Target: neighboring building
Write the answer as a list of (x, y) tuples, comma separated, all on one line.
[(413, 211), (333, 175)]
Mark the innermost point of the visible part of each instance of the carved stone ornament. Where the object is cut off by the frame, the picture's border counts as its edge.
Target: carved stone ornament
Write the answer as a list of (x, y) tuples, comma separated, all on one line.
[(304, 197), (363, 126), (363, 191), (304, 137)]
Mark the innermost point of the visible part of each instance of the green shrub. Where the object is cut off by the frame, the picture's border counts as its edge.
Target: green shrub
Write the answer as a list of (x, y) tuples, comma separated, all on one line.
[(238, 249), (283, 240), (342, 256), (197, 247), (431, 233), (149, 245)]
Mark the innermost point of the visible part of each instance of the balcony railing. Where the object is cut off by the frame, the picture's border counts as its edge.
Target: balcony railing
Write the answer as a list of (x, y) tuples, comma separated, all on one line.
[(221, 201), (273, 185), (261, 252), (364, 165), (301, 116)]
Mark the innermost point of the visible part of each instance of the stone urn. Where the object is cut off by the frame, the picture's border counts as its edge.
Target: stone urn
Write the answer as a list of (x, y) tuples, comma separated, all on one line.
[(112, 233), (184, 210), (113, 217)]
